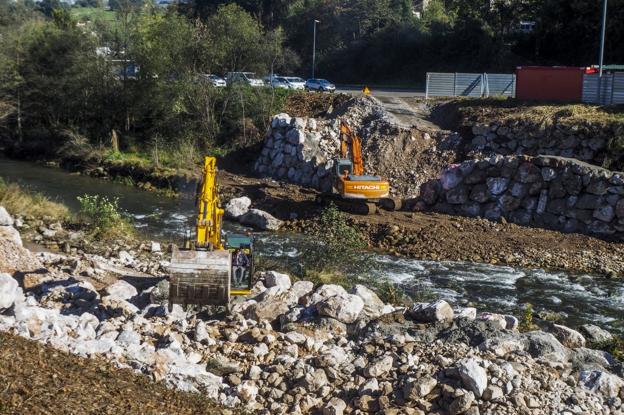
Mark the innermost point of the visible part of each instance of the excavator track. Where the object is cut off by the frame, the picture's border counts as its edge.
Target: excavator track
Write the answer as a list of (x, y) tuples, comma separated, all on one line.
[(359, 207)]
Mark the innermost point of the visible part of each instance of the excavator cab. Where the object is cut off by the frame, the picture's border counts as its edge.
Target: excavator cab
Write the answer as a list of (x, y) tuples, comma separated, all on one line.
[(342, 166), (241, 247)]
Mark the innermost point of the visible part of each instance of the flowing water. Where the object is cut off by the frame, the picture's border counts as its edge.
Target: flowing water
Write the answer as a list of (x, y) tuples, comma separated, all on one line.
[(578, 298)]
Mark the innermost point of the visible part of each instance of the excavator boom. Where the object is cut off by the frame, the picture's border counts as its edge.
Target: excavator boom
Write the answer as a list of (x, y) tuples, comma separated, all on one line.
[(210, 214), (351, 145), (202, 274)]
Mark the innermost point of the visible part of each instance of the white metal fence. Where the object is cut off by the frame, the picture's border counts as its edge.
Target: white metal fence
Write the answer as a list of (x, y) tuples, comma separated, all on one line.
[(605, 90), (470, 85)]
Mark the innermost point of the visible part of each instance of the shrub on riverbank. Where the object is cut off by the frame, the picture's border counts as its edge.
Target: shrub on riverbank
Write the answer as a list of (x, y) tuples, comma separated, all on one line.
[(24, 202), (104, 217)]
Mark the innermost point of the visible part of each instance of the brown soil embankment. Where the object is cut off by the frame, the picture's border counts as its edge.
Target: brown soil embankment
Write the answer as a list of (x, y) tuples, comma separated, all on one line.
[(37, 379)]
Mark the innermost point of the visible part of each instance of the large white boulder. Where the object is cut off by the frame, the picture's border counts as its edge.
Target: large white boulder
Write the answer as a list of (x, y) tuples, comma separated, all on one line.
[(11, 234), (237, 207), (373, 306), (567, 336), (432, 312), (261, 220), (473, 376), (5, 218), (276, 279), (121, 290), (9, 291), (344, 308), (601, 382), (302, 288), (324, 292)]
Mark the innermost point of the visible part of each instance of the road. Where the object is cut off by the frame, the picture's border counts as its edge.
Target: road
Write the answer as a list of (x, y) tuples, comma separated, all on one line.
[(407, 112), (382, 92)]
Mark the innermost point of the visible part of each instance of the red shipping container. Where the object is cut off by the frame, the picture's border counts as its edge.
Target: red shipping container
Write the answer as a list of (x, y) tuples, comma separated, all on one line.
[(550, 83)]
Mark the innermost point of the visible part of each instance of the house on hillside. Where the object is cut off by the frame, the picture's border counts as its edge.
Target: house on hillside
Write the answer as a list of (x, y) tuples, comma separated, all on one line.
[(419, 6)]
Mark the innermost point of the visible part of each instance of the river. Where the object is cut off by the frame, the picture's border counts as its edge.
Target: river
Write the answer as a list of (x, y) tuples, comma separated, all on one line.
[(579, 298)]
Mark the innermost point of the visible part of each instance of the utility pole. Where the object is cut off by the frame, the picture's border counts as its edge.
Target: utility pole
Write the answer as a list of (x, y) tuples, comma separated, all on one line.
[(602, 35), (314, 46)]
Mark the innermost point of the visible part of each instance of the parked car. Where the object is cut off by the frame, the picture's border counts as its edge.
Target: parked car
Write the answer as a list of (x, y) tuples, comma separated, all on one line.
[(320, 85), (295, 82), (248, 78), (215, 80), (280, 82)]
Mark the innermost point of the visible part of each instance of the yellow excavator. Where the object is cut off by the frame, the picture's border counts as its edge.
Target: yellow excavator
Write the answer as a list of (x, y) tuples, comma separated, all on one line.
[(354, 191), (209, 270)]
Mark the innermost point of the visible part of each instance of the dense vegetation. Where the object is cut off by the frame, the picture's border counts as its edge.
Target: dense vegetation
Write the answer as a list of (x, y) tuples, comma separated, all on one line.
[(68, 85)]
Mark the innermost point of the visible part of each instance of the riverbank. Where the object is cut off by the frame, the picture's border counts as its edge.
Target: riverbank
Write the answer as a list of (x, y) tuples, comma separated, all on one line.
[(293, 347), (439, 237), (419, 235)]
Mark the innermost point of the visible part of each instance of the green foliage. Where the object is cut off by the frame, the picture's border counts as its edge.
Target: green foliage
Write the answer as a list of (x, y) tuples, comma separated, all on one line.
[(526, 323), (103, 216), (339, 251)]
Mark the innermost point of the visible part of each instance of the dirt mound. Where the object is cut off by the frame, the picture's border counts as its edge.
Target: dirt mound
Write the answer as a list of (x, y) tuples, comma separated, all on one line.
[(308, 104), (408, 155), (406, 152), (38, 379)]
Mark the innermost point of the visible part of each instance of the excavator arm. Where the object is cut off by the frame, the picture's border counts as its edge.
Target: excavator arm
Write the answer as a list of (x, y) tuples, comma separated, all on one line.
[(210, 213), (351, 147)]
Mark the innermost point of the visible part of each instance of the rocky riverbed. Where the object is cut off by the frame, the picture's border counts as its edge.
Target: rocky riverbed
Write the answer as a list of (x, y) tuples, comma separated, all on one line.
[(292, 347)]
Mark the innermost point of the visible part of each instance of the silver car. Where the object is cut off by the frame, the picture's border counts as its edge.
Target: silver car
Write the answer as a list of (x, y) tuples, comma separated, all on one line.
[(295, 82), (248, 78), (280, 82), (321, 85)]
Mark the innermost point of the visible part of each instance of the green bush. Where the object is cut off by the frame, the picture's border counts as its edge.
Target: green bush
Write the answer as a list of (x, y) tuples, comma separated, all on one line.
[(103, 216)]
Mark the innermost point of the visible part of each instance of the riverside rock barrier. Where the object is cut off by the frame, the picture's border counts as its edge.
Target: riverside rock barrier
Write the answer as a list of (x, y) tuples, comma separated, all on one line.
[(585, 141), (544, 191)]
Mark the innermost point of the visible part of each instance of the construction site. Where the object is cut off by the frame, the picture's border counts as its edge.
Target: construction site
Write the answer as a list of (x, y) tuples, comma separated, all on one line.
[(494, 229)]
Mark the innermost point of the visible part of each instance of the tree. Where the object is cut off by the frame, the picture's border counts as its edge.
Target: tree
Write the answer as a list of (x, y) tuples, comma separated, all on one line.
[(236, 41)]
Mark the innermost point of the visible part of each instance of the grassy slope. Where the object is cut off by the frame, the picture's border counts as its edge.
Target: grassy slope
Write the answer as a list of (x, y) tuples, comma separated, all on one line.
[(37, 379), (90, 13), (19, 201)]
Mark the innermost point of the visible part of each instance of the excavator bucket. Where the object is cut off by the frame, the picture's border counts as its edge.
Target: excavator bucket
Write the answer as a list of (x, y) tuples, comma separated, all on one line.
[(200, 277)]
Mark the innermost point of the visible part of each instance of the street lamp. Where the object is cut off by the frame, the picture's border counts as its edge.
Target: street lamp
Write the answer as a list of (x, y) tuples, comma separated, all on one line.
[(602, 35), (314, 46)]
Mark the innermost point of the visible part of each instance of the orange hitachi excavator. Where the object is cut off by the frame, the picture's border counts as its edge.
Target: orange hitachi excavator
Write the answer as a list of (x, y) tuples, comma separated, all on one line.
[(354, 191)]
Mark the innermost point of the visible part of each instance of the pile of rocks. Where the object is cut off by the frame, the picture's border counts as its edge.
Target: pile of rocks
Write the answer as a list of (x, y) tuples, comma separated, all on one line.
[(302, 150), (544, 191), (584, 141), (7, 229), (294, 348)]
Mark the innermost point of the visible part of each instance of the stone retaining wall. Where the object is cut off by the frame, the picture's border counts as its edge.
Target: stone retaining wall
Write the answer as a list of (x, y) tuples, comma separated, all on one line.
[(586, 142), (544, 191), (298, 150)]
